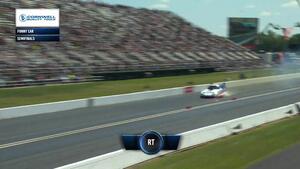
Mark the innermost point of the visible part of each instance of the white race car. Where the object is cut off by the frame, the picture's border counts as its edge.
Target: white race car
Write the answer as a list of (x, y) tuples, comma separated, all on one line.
[(214, 91)]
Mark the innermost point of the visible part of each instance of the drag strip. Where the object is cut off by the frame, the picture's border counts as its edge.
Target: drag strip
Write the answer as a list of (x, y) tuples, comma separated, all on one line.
[(52, 140), (136, 119)]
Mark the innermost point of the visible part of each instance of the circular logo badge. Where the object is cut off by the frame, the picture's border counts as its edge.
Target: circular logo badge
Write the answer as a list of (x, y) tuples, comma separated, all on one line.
[(22, 18), (151, 142)]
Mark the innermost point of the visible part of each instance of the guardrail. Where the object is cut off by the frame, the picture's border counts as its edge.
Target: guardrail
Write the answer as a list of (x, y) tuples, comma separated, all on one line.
[(121, 158), (7, 113), (263, 79), (108, 100), (20, 111)]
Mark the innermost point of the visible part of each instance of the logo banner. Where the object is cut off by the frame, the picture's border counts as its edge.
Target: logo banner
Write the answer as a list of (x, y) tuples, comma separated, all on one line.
[(37, 17)]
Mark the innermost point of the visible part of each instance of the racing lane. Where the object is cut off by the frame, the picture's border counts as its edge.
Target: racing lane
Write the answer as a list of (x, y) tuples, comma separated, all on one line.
[(166, 115)]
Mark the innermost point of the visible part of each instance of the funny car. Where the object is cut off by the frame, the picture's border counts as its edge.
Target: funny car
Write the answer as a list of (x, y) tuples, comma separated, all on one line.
[(214, 91)]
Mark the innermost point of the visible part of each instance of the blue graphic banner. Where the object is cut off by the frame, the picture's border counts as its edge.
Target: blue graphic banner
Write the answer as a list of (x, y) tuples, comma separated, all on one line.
[(37, 31), (37, 38)]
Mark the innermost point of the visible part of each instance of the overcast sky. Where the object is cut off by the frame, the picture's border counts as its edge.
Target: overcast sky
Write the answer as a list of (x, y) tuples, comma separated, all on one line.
[(212, 14)]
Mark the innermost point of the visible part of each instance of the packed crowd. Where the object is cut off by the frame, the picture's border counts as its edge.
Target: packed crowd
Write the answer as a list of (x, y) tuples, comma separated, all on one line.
[(98, 38)]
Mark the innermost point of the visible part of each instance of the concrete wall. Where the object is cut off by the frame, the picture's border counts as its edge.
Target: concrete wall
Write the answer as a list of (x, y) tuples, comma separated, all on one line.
[(121, 158), (262, 79), (131, 97), (20, 111), (108, 100)]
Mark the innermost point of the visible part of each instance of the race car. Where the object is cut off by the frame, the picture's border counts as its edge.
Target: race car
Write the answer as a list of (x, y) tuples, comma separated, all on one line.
[(214, 91)]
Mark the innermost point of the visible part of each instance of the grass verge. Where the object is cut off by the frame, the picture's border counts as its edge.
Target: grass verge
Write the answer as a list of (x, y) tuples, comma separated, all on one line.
[(43, 94), (234, 152)]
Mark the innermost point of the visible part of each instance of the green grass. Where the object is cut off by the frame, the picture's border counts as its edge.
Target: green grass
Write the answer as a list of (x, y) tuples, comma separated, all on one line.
[(44, 94), (234, 152)]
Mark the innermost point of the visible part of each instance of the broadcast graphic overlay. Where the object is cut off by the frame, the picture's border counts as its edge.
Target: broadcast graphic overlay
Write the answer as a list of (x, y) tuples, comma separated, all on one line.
[(37, 25), (150, 142)]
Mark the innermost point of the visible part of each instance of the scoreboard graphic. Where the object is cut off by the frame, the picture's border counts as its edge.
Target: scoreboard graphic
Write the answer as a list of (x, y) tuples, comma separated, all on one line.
[(37, 25), (244, 31)]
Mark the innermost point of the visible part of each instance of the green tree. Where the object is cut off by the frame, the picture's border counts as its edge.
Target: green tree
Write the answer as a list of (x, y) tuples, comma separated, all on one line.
[(294, 42), (271, 42)]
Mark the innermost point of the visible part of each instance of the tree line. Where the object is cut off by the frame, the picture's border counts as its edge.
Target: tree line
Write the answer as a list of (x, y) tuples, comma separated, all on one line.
[(273, 42)]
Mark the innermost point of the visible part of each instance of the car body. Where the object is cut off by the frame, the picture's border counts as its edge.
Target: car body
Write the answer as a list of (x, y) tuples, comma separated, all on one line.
[(214, 91)]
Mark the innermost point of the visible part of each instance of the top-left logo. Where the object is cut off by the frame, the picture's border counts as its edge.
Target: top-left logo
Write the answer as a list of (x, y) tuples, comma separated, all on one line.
[(22, 17), (37, 17)]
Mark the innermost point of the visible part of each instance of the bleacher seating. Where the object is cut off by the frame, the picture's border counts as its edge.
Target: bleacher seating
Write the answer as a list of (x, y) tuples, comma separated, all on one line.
[(98, 38)]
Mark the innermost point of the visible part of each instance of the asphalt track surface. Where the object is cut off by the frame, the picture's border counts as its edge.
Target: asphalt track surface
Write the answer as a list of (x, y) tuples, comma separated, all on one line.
[(288, 159), (56, 139)]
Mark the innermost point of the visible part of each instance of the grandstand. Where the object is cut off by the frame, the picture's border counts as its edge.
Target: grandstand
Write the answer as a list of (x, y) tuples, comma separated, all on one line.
[(101, 40)]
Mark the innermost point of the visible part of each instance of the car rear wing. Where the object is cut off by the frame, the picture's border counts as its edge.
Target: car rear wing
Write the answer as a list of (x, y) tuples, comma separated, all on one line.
[(223, 85)]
